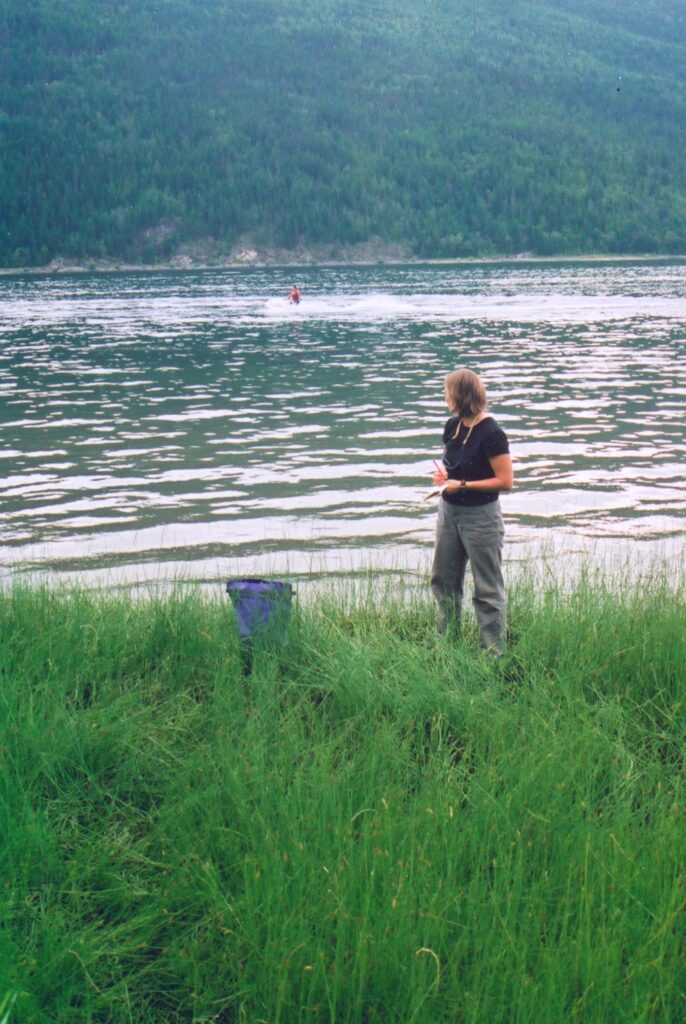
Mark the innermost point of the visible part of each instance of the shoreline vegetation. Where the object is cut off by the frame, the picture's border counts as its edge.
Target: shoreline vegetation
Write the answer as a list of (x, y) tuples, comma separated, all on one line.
[(377, 824), (248, 258)]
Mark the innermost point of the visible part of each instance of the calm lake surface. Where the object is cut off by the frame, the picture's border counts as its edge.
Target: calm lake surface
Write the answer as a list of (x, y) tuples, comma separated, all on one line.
[(192, 424)]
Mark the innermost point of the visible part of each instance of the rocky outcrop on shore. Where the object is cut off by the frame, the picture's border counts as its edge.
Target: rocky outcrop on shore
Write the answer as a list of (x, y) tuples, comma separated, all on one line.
[(245, 253)]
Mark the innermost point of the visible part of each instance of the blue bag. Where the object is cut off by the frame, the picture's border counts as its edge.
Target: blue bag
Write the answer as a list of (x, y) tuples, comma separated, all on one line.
[(262, 607)]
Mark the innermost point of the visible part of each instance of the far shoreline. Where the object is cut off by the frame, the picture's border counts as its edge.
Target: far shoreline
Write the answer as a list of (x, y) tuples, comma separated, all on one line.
[(61, 266)]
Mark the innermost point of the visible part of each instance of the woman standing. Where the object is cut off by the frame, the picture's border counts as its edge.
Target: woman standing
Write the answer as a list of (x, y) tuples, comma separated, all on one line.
[(476, 468)]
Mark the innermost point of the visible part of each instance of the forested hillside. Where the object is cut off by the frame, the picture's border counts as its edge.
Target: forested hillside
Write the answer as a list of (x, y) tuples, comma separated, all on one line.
[(452, 127)]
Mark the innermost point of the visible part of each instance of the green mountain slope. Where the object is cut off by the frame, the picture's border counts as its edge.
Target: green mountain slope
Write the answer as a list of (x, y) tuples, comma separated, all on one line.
[(454, 127)]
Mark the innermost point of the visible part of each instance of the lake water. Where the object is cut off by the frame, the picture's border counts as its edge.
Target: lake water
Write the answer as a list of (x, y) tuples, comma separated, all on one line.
[(192, 424)]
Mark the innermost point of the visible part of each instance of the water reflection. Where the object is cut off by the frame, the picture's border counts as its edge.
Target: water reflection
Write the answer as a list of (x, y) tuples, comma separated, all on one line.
[(152, 421)]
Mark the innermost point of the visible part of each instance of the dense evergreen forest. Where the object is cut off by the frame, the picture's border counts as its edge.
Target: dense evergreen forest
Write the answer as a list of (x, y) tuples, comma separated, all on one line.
[(450, 127)]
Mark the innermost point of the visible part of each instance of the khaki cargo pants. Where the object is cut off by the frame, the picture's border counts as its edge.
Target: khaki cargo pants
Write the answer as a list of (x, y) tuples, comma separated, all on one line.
[(471, 534)]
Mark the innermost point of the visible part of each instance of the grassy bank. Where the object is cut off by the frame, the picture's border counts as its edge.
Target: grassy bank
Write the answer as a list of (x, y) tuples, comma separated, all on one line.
[(377, 825)]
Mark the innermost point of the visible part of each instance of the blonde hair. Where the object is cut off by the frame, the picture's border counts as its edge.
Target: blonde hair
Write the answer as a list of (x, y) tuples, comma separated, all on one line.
[(466, 394)]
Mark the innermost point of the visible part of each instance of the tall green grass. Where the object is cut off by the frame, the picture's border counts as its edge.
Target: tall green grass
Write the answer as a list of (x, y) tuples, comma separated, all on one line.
[(376, 825)]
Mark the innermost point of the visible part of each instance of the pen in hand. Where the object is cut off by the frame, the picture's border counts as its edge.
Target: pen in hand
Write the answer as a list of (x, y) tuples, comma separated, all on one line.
[(441, 472)]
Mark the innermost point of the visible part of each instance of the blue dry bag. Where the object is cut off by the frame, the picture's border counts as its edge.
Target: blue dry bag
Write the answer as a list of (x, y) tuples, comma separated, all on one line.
[(262, 607)]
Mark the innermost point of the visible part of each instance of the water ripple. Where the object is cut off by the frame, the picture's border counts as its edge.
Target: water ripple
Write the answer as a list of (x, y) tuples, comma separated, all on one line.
[(158, 420)]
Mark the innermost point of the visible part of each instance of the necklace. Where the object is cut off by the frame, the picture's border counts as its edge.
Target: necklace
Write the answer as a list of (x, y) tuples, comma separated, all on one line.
[(469, 432)]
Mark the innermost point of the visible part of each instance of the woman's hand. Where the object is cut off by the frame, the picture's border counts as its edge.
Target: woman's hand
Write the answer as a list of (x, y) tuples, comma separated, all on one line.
[(440, 476), (501, 480)]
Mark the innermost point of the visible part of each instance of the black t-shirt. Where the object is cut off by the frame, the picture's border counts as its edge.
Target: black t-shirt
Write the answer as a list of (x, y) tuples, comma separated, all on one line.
[(469, 461)]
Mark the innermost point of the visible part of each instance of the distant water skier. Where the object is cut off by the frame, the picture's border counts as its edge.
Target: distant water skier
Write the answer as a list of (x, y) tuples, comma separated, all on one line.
[(295, 295)]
